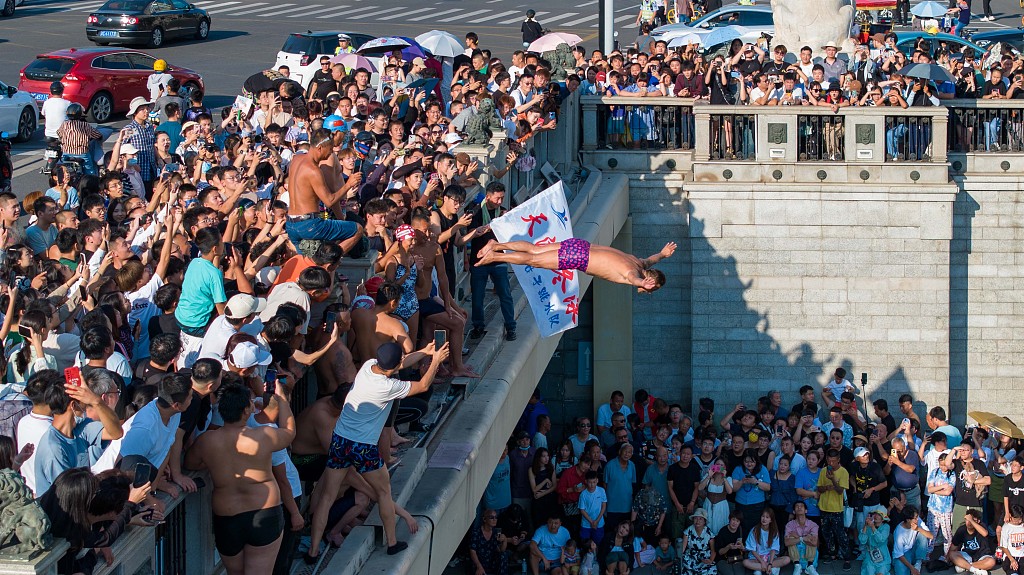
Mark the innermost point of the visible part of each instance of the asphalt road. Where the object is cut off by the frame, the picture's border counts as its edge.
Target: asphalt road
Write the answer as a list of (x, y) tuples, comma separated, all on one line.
[(246, 35)]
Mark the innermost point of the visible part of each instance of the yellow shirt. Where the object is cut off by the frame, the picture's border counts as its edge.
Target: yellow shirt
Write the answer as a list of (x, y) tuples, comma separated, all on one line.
[(832, 501)]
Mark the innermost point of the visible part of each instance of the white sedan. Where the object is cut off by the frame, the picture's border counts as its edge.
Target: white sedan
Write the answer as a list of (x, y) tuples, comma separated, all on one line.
[(18, 114)]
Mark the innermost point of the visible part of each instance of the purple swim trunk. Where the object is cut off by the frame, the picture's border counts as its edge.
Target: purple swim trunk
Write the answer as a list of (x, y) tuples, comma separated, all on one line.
[(574, 254)]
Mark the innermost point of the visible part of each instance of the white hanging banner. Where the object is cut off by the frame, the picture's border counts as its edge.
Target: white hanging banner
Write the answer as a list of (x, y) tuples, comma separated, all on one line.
[(554, 296)]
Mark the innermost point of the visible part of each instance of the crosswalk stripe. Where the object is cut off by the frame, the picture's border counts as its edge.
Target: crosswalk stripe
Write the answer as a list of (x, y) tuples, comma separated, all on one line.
[(88, 7), (631, 8), (58, 6), (624, 19), (435, 14), (466, 15), (585, 4), (349, 12), (580, 20), (246, 11), (493, 16), (289, 11), (514, 20), (409, 13), (218, 5), (232, 10), (378, 13), (558, 17), (320, 11)]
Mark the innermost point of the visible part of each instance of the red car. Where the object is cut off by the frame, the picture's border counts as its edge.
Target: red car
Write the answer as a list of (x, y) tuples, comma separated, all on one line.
[(103, 80)]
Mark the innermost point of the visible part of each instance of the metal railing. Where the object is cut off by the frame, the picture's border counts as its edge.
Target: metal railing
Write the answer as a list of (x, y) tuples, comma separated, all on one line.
[(986, 129), (733, 137), (821, 138), (908, 138), (642, 126)]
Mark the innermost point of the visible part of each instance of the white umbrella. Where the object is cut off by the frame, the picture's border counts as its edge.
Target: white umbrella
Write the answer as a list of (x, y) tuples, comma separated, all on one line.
[(688, 38), (552, 40), (440, 43), (928, 9), (724, 34), (384, 44)]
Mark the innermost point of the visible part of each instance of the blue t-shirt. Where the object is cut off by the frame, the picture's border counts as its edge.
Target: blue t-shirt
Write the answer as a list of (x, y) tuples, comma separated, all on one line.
[(202, 289), (748, 494), (498, 494), (809, 482), (658, 479), (953, 436), (618, 483), (56, 453), (550, 544), (591, 504), (72, 202)]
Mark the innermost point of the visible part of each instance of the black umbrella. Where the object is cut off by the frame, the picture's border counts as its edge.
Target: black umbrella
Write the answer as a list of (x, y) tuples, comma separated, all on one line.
[(932, 72)]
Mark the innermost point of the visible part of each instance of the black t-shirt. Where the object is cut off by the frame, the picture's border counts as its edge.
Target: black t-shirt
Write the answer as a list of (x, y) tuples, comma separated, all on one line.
[(684, 480), (889, 422), (477, 243), (748, 67), (732, 461), (163, 323), (1014, 490), (865, 478), (149, 375), (325, 87), (321, 76), (967, 495), (989, 88), (195, 416), (725, 538), (972, 544)]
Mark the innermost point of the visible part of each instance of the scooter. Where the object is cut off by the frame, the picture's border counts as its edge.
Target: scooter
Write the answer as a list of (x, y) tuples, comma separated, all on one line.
[(6, 165), (51, 156)]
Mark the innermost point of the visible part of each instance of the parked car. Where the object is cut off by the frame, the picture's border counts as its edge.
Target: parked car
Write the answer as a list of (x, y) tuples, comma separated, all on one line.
[(150, 22), (103, 80), (905, 42), (18, 114), (756, 18), (1012, 36), (7, 7), (302, 50)]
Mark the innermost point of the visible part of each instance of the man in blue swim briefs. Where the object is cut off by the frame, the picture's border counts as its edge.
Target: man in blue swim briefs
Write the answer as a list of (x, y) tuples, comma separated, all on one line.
[(306, 189), (576, 254)]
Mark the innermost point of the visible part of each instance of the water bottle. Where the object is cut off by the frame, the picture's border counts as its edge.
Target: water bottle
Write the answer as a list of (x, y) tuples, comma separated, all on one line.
[(523, 563), (801, 549)]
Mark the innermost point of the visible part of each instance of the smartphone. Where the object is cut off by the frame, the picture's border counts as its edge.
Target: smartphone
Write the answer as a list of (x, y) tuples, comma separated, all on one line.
[(439, 338), (143, 470), (330, 317), (73, 376), (270, 381), (173, 167)]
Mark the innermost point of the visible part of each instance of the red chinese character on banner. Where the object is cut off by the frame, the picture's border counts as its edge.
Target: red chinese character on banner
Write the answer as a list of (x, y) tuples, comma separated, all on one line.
[(547, 240), (534, 220), (572, 307), (562, 276)]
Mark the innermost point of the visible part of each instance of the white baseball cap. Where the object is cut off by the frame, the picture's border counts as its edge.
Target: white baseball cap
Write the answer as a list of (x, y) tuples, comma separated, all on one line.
[(128, 149), (243, 305), (248, 354)]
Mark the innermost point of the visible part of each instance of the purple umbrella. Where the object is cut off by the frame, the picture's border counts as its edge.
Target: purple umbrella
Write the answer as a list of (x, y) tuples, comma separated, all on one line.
[(413, 51)]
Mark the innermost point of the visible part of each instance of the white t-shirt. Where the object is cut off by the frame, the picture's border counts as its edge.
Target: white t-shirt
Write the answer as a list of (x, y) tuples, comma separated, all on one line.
[(154, 82), (142, 310), (285, 293), (1012, 538), (367, 405), (144, 434), (116, 363), (30, 429), (215, 341), (281, 457), (55, 110)]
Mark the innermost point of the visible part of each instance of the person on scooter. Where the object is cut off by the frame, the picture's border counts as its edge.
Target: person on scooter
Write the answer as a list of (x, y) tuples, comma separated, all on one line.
[(54, 111), (77, 137)]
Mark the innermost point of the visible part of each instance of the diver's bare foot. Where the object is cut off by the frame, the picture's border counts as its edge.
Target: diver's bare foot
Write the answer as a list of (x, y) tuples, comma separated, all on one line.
[(397, 440), (465, 372), (486, 254)]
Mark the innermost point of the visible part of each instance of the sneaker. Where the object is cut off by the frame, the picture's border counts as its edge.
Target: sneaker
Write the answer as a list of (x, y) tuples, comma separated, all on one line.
[(476, 333), (510, 334), (846, 565), (826, 559), (798, 569), (977, 571), (959, 569), (811, 570)]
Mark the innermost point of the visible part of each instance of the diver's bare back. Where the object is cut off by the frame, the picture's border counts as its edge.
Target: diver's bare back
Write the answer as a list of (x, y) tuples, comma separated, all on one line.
[(614, 265), (302, 199)]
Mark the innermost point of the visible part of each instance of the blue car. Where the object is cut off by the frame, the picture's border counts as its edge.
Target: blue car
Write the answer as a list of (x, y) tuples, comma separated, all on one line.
[(905, 42), (1012, 36)]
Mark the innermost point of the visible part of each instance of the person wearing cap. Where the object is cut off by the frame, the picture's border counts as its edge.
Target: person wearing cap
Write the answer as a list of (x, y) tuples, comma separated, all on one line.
[(244, 356), (874, 543), (362, 420), (142, 137), (344, 45), (695, 549), (307, 188), (867, 481), (401, 268), (415, 70), (833, 66), (240, 310)]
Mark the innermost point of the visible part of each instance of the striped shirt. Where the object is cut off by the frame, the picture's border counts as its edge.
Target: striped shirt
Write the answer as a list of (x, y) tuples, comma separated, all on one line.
[(75, 135)]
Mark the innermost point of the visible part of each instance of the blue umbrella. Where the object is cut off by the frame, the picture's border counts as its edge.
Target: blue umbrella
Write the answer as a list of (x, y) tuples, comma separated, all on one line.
[(928, 9), (932, 72), (724, 34)]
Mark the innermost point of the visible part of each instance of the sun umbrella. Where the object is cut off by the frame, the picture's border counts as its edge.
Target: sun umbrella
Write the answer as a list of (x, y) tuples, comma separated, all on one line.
[(385, 44), (413, 51), (929, 9), (725, 34), (1006, 427), (551, 41), (688, 38), (440, 43), (932, 72), (353, 61), (984, 418)]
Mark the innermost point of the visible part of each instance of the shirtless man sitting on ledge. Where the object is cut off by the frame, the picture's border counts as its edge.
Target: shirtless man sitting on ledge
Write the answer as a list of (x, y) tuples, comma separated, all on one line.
[(576, 254), (306, 188)]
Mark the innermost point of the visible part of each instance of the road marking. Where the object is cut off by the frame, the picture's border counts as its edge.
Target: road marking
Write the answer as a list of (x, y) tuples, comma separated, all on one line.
[(220, 5), (585, 4), (633, 8), (625, 19), (245, 11), (20, 169), (71, 5), (493, 16), (320, 11), (345, 13), (228, 11), (514, 20), (466, 15), (289, 11), (410, 13), (379, 13), (435, 14), (580, 20), (560, 17), (90, 7)]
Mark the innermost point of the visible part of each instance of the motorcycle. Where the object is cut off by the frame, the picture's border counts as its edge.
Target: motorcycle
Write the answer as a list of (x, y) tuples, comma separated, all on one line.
[(6, 165), (51, 156)]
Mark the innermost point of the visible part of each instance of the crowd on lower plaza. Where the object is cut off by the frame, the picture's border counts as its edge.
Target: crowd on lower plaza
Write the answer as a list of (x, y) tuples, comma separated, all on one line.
[(647, 488)]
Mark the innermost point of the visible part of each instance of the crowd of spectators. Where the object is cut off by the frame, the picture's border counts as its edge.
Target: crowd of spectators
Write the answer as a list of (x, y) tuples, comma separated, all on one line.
[(647, 488), (159, 314)]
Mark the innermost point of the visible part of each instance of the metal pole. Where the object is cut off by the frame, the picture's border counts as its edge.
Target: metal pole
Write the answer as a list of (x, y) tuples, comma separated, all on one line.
[(607, 25)]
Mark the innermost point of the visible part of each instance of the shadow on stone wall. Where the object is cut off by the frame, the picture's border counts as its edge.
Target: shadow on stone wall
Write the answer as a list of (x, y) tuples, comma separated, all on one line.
[(964, 208)]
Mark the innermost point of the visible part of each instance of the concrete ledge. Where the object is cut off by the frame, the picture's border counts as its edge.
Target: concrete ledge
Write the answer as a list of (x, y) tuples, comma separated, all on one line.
[(403, 482), (44, 563), (353, 553)]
